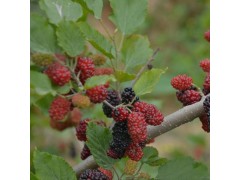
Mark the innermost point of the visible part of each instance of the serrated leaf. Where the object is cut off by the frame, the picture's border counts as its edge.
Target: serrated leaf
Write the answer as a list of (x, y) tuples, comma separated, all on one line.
[(158, 162), (122, 76), (58, 10), (128, 15), (33, 176), (183, 168), (40, 83), (95, 6), (150, 157), (147, 81), (42, 37), (44, 103), (136, 51), (96, 39), (49, 167), (98, 139), (70, 38), (34, 96), (62, 89), (98, 80), (149, 152)]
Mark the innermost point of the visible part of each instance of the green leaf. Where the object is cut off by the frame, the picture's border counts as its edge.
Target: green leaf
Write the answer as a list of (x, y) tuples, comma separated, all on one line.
[(34, 97), (147, 81), (58, 10), (183, 168), (158, 162), (95, 6), (42, 38), (40, 83), (136, 51), (120, 166), (149, 153), (98, 80), (70, 38), (151, 157), (33, 176), (98, 143), (49, 167), (44, 103), (96, 39), (128, 15), (62, 89), (122, 76)]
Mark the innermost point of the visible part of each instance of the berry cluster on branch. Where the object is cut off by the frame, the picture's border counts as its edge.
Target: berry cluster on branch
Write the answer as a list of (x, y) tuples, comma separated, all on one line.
[(189, 94), (131, 116)]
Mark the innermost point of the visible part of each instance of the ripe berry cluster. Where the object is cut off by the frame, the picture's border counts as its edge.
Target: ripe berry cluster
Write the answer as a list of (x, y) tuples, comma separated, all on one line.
[(205, 65), (65, 112), (206, 117), (65, 109), (189, 94), (130, 129), (95, 174), (85, 152), (62, 114), (113, 99)]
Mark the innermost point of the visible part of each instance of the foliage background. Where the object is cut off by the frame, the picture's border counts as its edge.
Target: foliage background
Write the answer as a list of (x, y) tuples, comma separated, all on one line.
[(177, 27)]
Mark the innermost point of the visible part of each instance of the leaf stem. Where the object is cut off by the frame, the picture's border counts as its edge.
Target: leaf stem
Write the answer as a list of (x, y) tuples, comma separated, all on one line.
[(116, 173), (144, 67), (122, 175), (121, 43), (140, 167)]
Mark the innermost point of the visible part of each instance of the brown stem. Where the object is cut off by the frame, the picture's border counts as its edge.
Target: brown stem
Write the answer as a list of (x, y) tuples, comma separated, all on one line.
[(144, 67)]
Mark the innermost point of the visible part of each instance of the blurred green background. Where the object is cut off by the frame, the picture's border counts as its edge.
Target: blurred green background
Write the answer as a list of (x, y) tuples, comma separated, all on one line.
[(177, 28)]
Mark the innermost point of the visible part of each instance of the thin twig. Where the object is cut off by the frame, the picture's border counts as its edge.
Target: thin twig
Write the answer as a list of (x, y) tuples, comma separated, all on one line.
[(107, 103), (119, 49), (144, 67), (118, 91), (114, 43), (71, 69)]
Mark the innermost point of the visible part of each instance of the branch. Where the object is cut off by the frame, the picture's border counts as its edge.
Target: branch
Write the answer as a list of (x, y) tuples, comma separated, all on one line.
[(88, 163), (144, 67), (172, 121)]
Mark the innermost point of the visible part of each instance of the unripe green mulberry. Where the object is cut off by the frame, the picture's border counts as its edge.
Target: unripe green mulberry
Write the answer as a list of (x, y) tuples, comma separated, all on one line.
[(42, 59), (131, 167), (81, 101), (143, 175), (98, 59)]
